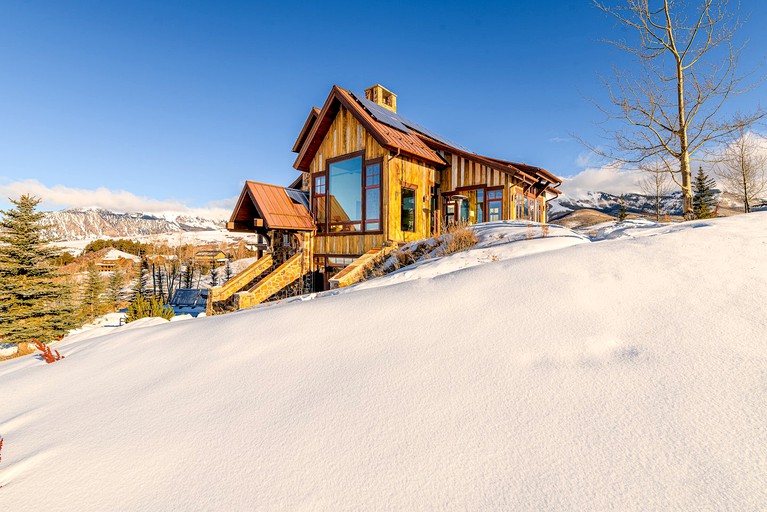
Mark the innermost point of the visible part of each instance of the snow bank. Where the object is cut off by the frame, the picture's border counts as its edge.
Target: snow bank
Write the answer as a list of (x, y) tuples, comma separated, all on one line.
[(625, 375)]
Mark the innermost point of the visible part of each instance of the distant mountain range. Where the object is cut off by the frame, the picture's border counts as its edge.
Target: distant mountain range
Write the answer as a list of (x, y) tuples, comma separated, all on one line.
[(635, 203), (86, 223)]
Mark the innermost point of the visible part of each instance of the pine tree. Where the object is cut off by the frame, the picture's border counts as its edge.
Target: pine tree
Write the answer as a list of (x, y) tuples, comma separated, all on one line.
[(34, 299), (114, 290), (189, 275), (622, 213), (703, 203), (142, 280), (142, 308), (91, 301), (228, 271), (213, 276)]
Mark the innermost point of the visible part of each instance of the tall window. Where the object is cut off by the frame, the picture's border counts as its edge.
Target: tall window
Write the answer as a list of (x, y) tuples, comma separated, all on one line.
[(345, 195), (494, 205), (318, 201), (520, 206), (373, 197), (407, 215)]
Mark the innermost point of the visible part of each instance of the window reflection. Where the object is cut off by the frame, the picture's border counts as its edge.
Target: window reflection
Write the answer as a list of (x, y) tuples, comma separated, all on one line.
[(345, 189)]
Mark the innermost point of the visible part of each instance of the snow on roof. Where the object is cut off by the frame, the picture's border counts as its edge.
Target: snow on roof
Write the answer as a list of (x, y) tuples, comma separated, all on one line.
[(114, 254), (625, 375)]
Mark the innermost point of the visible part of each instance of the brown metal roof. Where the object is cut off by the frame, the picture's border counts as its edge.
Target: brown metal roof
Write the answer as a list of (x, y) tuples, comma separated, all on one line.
[(390, 138), (275, 207)]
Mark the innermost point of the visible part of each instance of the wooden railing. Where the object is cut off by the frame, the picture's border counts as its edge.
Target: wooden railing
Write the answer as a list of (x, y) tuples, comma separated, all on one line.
[(238, 282), (282, 276), (356, 269)]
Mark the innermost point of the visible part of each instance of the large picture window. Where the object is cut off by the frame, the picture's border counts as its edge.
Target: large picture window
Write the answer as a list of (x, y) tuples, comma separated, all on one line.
[(407, 211), (345, 195)]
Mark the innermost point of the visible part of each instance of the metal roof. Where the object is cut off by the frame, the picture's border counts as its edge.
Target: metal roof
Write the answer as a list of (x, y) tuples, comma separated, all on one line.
[(401, 123), (278, 209)]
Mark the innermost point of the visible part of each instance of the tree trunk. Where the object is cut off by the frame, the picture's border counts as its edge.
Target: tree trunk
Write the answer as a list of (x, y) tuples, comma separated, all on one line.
[(746, 206)]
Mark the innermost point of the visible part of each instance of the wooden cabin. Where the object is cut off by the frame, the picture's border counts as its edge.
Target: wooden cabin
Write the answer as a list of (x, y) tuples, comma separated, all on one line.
[(210, 257), (372, 178)]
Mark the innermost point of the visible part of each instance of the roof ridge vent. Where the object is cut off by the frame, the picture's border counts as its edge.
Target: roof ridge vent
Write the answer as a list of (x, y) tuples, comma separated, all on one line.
[(380, 95)]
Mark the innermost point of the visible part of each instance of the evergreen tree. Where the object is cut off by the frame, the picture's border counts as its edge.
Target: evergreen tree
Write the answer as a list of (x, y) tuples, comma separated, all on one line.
[(143, 308), (142, 280), (34, 299), (114, 290), (622, 213), (160, 290), (213, 276), (703, 203), (91, 301), (228, 271), (189, 275)]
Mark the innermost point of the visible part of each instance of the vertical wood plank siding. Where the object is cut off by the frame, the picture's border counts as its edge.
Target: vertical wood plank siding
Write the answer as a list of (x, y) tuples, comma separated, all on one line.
[(347, 135)]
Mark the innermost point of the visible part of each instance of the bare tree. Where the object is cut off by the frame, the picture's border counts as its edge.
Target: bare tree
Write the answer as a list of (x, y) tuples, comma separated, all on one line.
[(741, 166), (669, 106), (656, 183)]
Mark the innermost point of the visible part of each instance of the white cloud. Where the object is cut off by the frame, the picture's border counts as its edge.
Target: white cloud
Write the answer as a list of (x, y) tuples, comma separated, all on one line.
[(612, 179), (60, 196)]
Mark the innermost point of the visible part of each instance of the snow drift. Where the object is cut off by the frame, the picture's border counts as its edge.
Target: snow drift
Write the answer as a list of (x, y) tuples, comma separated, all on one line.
[(627, 374)]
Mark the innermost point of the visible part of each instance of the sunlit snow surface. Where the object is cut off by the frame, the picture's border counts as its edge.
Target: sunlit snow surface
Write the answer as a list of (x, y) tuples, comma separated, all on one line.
[(623, 374)]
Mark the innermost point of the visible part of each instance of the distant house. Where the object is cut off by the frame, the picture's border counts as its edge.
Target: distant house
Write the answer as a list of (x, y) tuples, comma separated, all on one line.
[(372, 179), (116, 260), (210, 258), (189, 301)]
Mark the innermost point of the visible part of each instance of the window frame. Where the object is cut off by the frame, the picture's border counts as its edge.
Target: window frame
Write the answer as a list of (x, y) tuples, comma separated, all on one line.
[(369, 163), (414, 188), (324, 228), (488, 200)]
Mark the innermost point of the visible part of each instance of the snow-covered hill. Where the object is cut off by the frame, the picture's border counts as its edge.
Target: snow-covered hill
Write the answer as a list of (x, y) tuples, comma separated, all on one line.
[(532, 373), (88, 223)]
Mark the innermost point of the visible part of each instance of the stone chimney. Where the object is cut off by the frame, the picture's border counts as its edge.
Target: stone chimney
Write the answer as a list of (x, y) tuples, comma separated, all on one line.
[(382, 96)]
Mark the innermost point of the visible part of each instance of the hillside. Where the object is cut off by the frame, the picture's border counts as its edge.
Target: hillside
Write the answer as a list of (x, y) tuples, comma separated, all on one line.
[(531, 373)]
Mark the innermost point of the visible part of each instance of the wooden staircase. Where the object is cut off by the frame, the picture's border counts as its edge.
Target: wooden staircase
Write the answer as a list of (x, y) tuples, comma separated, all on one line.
[(295, 267), (220, 295), (356, 270)]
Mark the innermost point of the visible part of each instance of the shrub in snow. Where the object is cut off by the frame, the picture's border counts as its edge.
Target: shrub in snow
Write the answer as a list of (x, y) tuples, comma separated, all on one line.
[(46, 353), (142, 308)]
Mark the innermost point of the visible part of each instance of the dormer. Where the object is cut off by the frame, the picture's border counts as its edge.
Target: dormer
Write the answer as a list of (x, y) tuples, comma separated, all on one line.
[(382, 96)]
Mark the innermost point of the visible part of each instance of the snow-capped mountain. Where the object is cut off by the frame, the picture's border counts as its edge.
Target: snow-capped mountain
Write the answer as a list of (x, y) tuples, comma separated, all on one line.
[(610, 204), (85, 223), (635, 203)]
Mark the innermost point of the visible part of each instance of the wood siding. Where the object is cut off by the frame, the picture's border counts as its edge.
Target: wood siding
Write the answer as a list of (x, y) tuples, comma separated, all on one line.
[(346, 135), (462, 172), (406, 172), (346, 245)]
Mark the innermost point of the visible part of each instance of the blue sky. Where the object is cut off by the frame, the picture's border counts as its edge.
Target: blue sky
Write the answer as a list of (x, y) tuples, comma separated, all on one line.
[(180, 101)]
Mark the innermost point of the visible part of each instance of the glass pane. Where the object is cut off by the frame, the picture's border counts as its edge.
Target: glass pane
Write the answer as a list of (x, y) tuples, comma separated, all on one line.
[(319, 209), (480, 212), (494, 210), (373, 204), (372, 226), (373, 175), (407, 217), (465, 210), (319, 185), (346, 190)]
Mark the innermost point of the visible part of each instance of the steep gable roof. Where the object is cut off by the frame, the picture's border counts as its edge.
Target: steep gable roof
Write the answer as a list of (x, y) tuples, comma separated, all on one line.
[(389, 137)]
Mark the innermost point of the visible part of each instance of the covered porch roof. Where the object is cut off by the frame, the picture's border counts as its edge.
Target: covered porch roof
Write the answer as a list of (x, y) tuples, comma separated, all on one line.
[(263, 207)]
